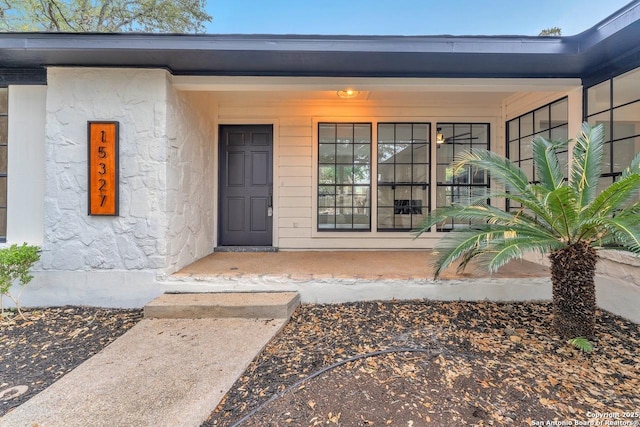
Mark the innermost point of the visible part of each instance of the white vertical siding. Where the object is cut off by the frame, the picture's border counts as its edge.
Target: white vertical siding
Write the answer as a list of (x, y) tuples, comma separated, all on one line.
[(26, 183)]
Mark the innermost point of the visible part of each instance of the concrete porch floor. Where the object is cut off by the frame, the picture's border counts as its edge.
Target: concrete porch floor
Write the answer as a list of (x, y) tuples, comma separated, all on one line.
[(344, 276), (363, 265), (334, 277)]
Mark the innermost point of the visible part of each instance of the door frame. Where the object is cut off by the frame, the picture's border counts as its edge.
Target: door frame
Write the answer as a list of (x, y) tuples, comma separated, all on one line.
[(275, 124)]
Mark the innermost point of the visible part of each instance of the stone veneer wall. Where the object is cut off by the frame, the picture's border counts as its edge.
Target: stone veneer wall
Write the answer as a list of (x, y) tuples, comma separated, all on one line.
[(110, 261), (190, 178)]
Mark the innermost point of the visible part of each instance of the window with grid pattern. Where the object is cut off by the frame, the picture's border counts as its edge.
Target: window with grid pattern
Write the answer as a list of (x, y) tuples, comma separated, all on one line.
[(616, 104), (403, 175), (550, 121), (471, 184), (344, 177)]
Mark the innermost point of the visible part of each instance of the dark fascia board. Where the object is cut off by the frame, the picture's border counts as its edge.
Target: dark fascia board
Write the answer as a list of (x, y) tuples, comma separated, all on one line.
[(361, 56), (613, 45), (429, 56), (610, 27)]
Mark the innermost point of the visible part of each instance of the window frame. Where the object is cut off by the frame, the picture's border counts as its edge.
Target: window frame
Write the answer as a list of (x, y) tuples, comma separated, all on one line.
[(610, 175), (426, 186), (318, 165), (350, 238), (5, 174), (457, 186), (528, 138)]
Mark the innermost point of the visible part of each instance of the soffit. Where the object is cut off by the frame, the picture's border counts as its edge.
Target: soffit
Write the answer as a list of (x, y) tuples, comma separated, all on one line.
[(399, 85), (234, 90)]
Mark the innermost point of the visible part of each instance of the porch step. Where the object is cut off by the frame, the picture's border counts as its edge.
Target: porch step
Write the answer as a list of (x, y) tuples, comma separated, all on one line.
[(247, 305)]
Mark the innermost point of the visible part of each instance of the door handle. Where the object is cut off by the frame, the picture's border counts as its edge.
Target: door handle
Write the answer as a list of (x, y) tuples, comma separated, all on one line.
[(270, 201)]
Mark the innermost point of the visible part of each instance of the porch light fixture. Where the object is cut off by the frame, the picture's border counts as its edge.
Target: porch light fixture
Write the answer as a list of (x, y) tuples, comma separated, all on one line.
[(348, 93), (439, 137)]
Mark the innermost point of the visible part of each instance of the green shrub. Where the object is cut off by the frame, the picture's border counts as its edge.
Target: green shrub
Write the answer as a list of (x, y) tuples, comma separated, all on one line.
[(15, 263), (582, 344)]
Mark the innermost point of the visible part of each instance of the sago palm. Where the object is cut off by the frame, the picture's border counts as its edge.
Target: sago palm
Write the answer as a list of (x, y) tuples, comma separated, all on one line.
[(568, 219)]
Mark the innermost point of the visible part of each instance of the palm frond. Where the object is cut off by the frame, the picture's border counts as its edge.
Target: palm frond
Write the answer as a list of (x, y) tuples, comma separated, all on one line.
[(634, 167), (626, 232), (479, 240), (436, 216), (586, 166), (459, 244), (514, 221), (533, 204), (633, 209), (501, 169), (545, 158), (483, 213), (561, 205), (514, 248), (613, 197)]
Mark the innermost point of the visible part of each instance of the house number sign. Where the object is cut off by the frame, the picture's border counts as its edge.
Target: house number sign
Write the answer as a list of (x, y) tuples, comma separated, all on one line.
[(103, 168)]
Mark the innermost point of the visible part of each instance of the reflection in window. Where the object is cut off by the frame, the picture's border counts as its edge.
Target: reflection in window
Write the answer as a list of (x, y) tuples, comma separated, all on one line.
[(403, 175), (616, 104), (471, 184), (4, 138), (551, 122), (344, 176)]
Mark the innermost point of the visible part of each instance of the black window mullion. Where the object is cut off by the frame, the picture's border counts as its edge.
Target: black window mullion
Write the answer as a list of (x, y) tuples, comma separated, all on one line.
[(527, 139), (350, 183), (456, 191), (611, 125), (393, 163), (3, 236)]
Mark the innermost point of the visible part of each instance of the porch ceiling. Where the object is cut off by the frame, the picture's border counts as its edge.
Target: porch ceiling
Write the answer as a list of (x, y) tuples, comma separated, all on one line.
[(388, 90), (284, 84), (375, 97), (409, 90)]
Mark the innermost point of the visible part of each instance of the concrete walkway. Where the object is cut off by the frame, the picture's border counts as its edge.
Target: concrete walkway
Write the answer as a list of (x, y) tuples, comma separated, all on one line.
[(163, 372), (618, 297)]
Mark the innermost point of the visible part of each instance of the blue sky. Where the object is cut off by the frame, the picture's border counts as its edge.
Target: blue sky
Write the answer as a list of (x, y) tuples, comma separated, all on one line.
[(406, 17)]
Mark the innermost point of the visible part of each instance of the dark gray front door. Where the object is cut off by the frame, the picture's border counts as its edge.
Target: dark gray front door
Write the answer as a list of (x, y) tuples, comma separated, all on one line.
[(246, 185)]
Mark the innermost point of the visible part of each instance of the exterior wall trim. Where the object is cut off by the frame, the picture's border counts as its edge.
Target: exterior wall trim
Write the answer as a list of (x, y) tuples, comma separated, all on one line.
[(22, 76)]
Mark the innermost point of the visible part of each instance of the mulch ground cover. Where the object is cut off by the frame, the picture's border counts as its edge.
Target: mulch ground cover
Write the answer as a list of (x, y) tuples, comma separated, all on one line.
[(36, 352), (471, 364), (408, 363)]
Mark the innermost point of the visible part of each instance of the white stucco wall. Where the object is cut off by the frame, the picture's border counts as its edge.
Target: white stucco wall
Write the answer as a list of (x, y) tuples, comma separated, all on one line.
[(167, 179), (135, 239), (103, 260), (190, 178)]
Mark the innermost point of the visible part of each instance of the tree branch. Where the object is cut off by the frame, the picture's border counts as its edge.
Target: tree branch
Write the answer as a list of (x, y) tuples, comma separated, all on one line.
[(101, 15), (63, 17), (47, 8)]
